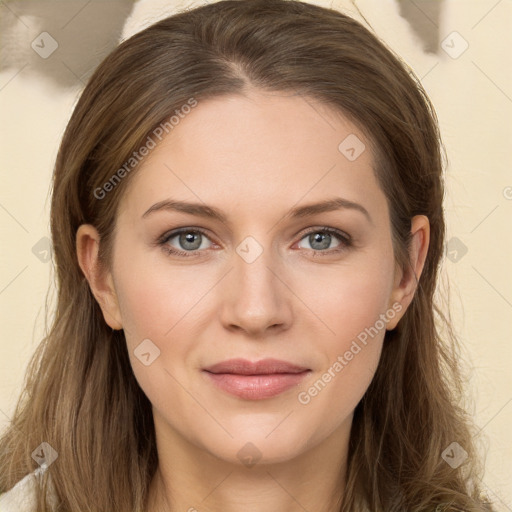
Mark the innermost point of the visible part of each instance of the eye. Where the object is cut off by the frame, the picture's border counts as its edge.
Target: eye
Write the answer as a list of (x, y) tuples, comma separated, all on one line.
[(191, 242), (188, 241), (320, 239)]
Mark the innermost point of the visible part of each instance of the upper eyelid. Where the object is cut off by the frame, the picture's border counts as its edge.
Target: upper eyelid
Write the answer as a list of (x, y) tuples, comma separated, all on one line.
[(175, 232)]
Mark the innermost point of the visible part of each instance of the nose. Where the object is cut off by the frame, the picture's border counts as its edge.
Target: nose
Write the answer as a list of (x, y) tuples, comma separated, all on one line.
[(255, 298)]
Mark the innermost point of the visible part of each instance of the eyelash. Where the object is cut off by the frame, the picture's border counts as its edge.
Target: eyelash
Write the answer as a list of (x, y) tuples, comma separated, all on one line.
[(346, 241)]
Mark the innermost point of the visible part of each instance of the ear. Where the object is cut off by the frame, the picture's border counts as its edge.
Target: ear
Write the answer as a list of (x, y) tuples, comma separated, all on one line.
[(100, 279), (406, 280)]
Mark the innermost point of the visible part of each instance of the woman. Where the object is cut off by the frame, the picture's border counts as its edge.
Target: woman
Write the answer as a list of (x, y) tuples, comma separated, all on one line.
[(247, 222)]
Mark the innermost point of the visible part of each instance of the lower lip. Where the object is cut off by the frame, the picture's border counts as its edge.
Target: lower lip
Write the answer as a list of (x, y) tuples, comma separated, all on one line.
[(256, 387)]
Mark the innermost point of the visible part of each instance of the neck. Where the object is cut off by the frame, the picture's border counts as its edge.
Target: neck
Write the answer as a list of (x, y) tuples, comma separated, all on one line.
[(192, 480)]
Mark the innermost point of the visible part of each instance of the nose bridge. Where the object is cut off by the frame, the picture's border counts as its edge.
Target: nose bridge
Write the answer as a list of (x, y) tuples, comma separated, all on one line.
[(252, 269), (255, 298), (252, 276)]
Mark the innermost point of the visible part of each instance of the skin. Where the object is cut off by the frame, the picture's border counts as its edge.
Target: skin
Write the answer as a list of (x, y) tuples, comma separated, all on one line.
[(254, 157)]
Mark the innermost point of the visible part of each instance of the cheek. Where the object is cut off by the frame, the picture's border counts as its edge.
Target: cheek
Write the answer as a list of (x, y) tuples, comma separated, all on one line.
[(153, 298), (354, 306), (165, 306), (347, 300), (158, 305)]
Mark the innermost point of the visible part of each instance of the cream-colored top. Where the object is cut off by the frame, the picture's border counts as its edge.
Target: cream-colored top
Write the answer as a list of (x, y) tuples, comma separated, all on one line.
[(22, 497)]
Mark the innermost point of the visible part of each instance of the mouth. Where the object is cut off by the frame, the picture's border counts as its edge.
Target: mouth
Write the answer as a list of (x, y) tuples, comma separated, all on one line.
[(255, 380)]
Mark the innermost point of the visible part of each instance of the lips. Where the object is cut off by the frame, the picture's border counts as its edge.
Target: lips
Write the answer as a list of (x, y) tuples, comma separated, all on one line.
[(263, 367), (255, 380)]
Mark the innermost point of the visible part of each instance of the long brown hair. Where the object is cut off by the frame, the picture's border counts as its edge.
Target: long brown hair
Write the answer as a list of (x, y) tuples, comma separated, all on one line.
[(80, 393)]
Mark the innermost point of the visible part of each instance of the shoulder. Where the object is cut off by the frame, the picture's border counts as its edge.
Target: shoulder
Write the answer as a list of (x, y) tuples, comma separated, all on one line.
[(22, 497)]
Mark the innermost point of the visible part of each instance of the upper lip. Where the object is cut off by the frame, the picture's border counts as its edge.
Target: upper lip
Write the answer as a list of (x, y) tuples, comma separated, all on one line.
[(263, 367)]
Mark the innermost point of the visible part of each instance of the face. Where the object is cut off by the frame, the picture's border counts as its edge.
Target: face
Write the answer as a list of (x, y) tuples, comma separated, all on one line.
[(268, 280)]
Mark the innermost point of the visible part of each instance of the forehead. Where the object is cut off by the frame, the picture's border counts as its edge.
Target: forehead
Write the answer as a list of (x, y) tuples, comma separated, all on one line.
[(262, 149)]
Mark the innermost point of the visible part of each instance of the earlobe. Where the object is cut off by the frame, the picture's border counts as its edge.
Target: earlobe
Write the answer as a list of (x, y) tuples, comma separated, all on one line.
[(99, 279), (406, 280)]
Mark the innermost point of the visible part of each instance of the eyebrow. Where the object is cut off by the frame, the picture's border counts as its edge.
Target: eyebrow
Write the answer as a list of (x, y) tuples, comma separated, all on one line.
[(203, 210)]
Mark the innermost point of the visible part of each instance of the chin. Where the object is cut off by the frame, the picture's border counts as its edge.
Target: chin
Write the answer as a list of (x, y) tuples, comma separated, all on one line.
[(252, 447)]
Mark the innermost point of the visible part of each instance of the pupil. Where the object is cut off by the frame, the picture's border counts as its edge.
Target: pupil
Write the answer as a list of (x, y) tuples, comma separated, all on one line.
[(323, 239), (188, 238)]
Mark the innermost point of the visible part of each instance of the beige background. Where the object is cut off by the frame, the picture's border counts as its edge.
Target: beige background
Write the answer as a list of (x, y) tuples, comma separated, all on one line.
[(473, 98)]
